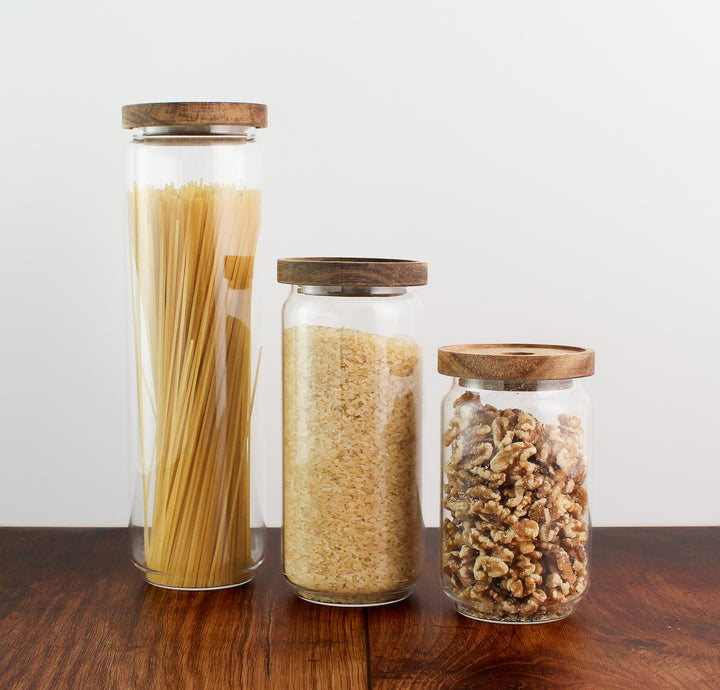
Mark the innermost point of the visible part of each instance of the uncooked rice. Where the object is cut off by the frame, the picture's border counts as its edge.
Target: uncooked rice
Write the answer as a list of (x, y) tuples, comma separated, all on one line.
[(352, 520)]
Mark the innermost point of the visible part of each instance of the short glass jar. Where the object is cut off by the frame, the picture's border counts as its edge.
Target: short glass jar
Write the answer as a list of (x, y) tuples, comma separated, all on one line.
[(352, 407), (515, 518)]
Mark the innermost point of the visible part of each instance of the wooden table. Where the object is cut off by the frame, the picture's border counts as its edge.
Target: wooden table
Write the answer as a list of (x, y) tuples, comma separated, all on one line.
[(74, 613)]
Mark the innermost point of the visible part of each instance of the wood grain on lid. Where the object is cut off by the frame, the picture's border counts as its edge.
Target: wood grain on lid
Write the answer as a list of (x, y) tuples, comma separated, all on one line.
[(194, 113), (355, 272), (516, 362)]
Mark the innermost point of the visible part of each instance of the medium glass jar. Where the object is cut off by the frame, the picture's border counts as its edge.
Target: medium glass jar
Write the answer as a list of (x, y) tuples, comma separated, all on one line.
[(194, 217), (515, 522), (352, 407)]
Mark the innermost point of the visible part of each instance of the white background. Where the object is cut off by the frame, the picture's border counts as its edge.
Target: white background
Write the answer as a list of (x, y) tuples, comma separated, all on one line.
[(556, 163)]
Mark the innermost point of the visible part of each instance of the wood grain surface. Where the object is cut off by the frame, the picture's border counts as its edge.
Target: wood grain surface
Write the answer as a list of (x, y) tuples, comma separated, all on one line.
[(516, 362), (194, 113), (74, 613), (352, 272)]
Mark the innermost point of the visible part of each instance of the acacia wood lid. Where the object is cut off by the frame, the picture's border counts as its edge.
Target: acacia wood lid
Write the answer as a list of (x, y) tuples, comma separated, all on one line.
[(194, 113), (516, 362), (352, 272)]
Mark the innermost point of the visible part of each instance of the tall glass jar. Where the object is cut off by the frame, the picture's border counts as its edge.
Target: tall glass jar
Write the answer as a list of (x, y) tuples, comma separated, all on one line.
[(515, 521), (352, 407), (194, 217)]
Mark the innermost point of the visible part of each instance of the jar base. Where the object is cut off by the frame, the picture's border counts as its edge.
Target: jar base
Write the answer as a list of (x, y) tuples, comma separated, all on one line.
[(470, 612), (167, 581), (199, 589), (351, 600)]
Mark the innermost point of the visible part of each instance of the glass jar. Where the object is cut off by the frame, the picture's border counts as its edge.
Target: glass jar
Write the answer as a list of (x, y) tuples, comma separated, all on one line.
[(352, 407), (194, 218), (515, 521)]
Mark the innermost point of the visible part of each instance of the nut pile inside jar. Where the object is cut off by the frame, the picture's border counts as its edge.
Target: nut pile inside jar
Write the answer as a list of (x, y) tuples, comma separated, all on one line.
[(516, 525)]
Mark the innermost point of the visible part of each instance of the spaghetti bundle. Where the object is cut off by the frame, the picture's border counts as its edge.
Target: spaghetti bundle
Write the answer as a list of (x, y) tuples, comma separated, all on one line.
[(193, 249)]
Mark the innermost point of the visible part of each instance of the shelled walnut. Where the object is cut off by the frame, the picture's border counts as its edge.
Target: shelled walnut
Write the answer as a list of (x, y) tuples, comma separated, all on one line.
[(514, 544)]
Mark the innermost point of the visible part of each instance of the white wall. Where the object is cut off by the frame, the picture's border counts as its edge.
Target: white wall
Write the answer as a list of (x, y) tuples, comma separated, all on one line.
[(557, 163)]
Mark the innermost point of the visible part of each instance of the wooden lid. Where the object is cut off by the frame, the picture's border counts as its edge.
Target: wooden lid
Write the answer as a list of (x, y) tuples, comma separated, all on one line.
[(352, 272), (186, 113), (515, 362)]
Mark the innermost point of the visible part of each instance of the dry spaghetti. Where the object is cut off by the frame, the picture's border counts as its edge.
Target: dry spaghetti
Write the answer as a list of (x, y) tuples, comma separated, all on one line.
[(193, 249)]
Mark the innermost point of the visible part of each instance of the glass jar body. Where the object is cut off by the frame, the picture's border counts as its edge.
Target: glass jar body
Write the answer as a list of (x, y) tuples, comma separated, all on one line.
[(194, 216), (515, 520), (352, 407)]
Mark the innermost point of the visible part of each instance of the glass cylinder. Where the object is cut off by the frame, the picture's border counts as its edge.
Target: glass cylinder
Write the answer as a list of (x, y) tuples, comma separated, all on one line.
[(194, 217), (352, 408), (515, 523)]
